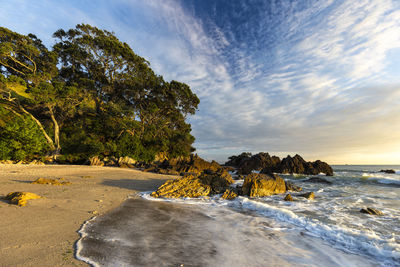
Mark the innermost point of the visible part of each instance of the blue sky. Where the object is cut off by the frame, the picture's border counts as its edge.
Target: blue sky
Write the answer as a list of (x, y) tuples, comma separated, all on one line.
[(318, 78)]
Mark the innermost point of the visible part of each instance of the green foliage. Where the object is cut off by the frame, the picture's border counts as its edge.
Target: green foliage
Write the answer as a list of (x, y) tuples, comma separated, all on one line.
[(100, 100), (19, 137)]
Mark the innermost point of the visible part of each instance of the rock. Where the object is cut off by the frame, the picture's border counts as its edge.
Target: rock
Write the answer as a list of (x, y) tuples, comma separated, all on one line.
[(229, 195), (260, 185), (193, 186), (21, 198), (259, 162), (309, 195), (189, 186), (371, 211), (235, 161), (192, 164), (51, 181), (318, 180), (292, 187), (95, 161), (388, 171), (126, 161), (288, 197)]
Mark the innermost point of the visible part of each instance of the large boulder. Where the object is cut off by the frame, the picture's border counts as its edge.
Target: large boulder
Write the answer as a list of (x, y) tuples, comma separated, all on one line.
[(207, 183), (261, 185)]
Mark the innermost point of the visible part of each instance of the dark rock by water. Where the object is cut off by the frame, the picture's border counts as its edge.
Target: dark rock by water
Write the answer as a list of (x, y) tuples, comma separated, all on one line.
[(292, 187), (260, 185), (267, 164), (371, 211), (288, 197), (309, 195)]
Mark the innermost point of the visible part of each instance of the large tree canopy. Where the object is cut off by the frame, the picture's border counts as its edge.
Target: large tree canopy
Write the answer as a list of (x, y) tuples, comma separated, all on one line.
[(92, 95)]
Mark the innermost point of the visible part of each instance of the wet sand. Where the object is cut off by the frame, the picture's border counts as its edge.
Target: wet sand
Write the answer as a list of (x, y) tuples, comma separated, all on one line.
[(45, 231)]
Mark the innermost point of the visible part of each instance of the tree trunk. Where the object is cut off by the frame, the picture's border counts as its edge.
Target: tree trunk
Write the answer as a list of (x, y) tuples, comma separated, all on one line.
[(56, 132), (49, 140)]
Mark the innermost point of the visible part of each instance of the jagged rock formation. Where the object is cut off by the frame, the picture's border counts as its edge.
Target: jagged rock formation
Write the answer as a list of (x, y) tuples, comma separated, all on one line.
[(260, 185), (207, 183), (267, 164), (21, 198)]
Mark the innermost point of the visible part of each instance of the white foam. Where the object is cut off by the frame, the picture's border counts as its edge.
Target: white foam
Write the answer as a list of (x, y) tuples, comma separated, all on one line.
[(79, 246)]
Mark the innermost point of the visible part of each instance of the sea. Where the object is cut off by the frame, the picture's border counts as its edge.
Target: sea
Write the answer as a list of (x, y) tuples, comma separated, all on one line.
[(327, 231)]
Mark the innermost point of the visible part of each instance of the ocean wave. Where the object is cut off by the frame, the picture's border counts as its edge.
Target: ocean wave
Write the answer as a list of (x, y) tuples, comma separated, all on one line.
[(382, 178), (339, 236)]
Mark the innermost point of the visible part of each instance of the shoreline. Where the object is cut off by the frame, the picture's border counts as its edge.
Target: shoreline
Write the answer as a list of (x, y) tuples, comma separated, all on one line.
[(45, 232)]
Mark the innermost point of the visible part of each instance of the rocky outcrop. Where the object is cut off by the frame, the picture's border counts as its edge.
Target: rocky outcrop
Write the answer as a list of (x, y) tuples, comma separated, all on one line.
[(292, 187), (193, 164), (309, 195), (388, 171), (260, 185), (288, 197), (371, 211), (229, 195), (236, 161), (126, 162), (263, 162), (318, 180), (51, 181), (95, 161), (21, 198), (257, 163), (205, 184), (297, 164)]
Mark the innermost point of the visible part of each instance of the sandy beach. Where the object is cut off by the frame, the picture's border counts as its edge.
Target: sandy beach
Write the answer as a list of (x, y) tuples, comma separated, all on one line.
[(44, 232)]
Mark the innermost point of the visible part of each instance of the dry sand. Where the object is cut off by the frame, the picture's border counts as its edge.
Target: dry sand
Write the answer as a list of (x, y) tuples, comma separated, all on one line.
[(44, 232)]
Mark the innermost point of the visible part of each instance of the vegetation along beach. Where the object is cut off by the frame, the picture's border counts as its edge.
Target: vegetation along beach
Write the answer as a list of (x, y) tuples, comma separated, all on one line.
[(200, 133)]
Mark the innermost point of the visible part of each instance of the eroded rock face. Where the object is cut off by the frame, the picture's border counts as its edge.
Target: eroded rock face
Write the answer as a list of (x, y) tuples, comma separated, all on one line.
[(21, 198), (205, 184), (371, 211), (261, 185)]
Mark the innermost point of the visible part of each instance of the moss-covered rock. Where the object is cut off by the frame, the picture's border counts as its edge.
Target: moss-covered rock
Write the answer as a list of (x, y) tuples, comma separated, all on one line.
[(51, 181), (261, 185), (21, 198)]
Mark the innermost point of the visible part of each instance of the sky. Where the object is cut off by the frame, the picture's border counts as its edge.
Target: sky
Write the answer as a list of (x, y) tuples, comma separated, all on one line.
[(317, 78)]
